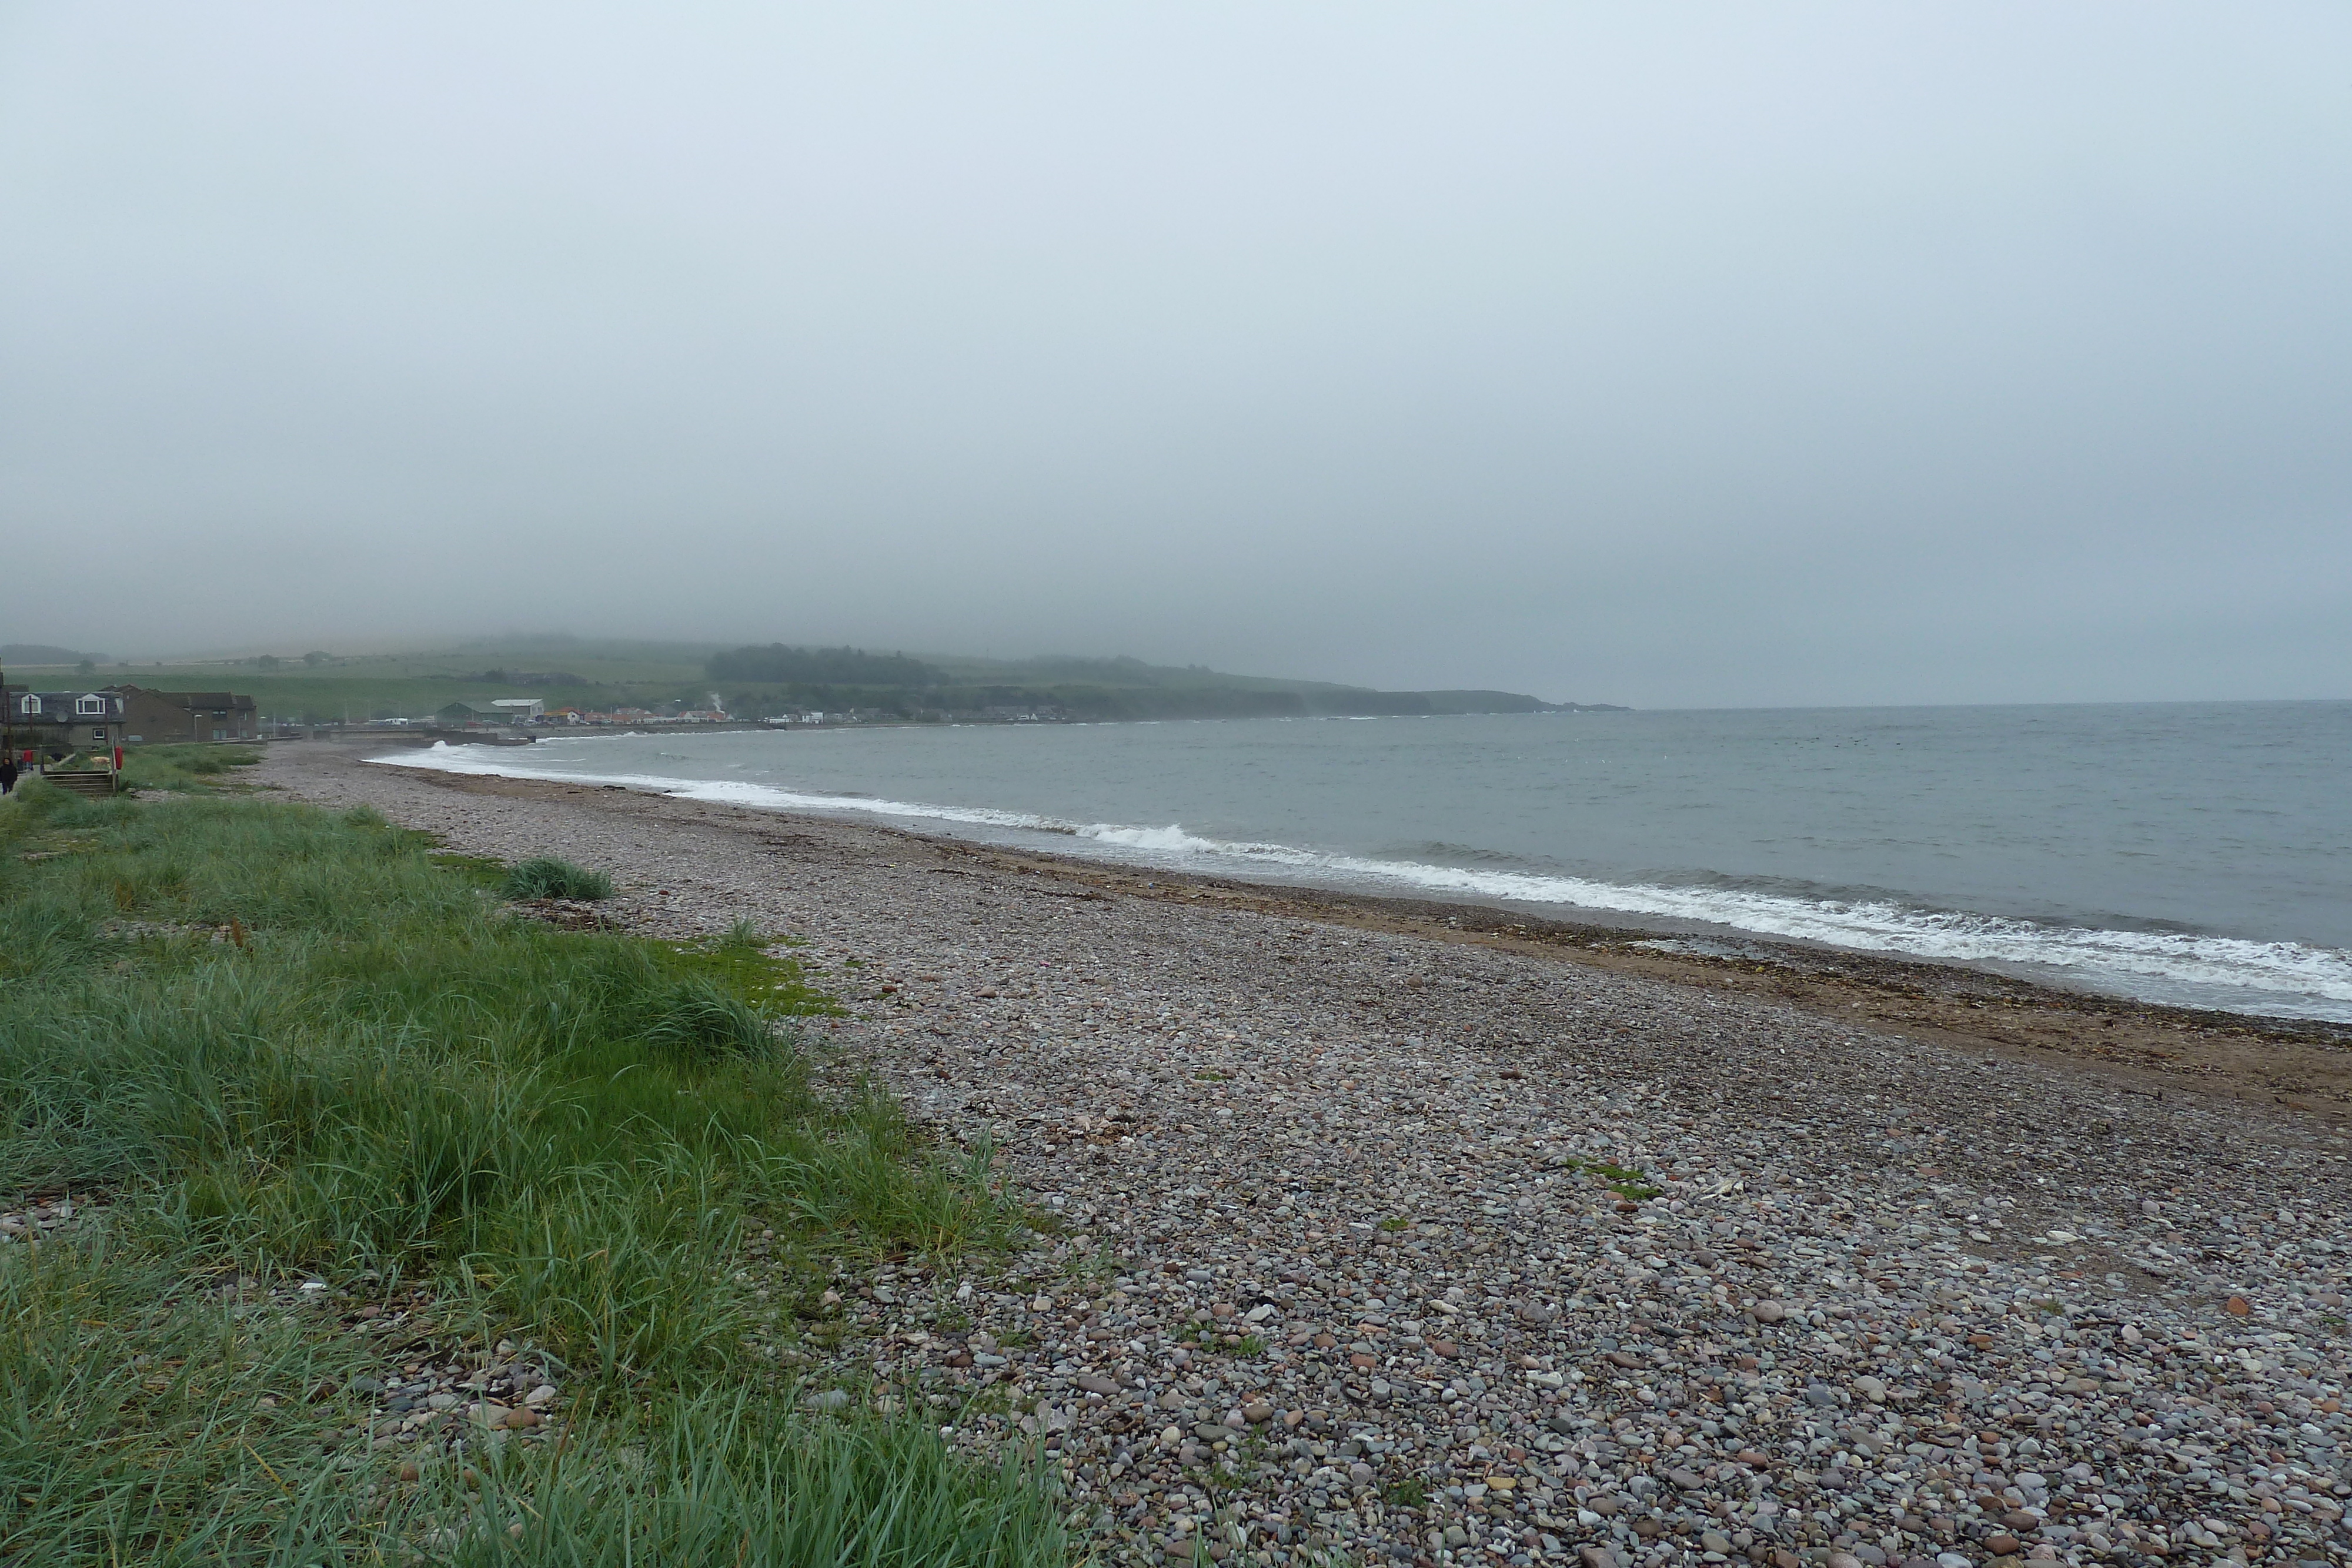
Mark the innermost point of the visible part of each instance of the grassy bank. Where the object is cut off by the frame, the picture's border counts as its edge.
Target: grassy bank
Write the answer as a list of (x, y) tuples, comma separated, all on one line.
[(198, 770), (330, 1113)]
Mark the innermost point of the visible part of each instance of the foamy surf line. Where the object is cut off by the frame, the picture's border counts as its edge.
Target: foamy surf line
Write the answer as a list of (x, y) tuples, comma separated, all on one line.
[(2284, 978), (448, 759)]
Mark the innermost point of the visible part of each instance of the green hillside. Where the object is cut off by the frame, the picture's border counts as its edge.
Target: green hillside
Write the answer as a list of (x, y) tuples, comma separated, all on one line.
[(780, 678), (321, 686)]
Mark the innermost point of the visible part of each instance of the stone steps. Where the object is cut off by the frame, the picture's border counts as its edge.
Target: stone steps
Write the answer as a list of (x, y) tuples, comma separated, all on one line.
[(85, 782)]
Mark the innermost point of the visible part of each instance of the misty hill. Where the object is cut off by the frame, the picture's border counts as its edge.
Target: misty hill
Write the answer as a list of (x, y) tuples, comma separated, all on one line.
[(776, 664), (778, 677), (46, 654), (602, 674)]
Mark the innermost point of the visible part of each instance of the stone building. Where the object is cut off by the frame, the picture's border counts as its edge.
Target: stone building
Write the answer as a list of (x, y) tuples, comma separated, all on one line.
[(63, 722), (153, 718)]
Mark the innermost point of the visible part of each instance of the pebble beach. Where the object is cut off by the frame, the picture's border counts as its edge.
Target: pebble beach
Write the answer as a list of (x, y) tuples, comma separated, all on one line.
[(1352, 1244)]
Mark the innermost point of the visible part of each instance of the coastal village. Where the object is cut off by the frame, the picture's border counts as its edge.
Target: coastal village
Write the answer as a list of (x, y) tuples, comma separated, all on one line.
[(513, 711), (103, 718), (65, 722), (76, 733), (107, 716), (65, 706)]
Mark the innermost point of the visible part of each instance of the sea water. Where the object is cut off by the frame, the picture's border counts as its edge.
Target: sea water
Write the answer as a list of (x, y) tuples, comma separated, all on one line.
[(2192, 853)]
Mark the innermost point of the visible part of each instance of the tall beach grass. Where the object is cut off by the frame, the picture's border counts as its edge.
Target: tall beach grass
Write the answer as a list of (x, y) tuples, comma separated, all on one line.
[(278, 1046)]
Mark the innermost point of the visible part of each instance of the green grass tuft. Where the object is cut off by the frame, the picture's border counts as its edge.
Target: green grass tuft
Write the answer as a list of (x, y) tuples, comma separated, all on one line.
[(721, 1480), (737, 964), (1410, 1491), (544, 876), (1633, 1186)]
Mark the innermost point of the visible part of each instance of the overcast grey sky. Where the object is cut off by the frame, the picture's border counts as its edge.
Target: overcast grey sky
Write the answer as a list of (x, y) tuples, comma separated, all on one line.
[(1683, 354)]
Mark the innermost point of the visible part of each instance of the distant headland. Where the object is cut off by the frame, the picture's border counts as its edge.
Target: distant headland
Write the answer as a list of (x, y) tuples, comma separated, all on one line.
[(754, 682)]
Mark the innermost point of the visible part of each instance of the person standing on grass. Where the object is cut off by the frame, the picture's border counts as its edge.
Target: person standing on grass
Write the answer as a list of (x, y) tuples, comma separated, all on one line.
[(8, 774)]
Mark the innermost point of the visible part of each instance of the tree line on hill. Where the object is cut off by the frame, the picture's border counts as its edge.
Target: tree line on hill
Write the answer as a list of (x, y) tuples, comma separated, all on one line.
[(782, 677)]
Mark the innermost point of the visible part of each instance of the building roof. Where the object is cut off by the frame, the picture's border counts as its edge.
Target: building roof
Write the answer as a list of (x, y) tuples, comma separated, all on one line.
[(57, 705)]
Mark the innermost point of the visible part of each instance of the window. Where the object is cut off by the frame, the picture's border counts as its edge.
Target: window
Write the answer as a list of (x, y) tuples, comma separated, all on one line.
[(31, 704), (90, 705), (98, 732)]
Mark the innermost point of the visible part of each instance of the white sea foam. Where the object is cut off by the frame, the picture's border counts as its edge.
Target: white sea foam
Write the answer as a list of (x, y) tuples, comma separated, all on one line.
[(1170, 840), (480, 759), (2289, 978)]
